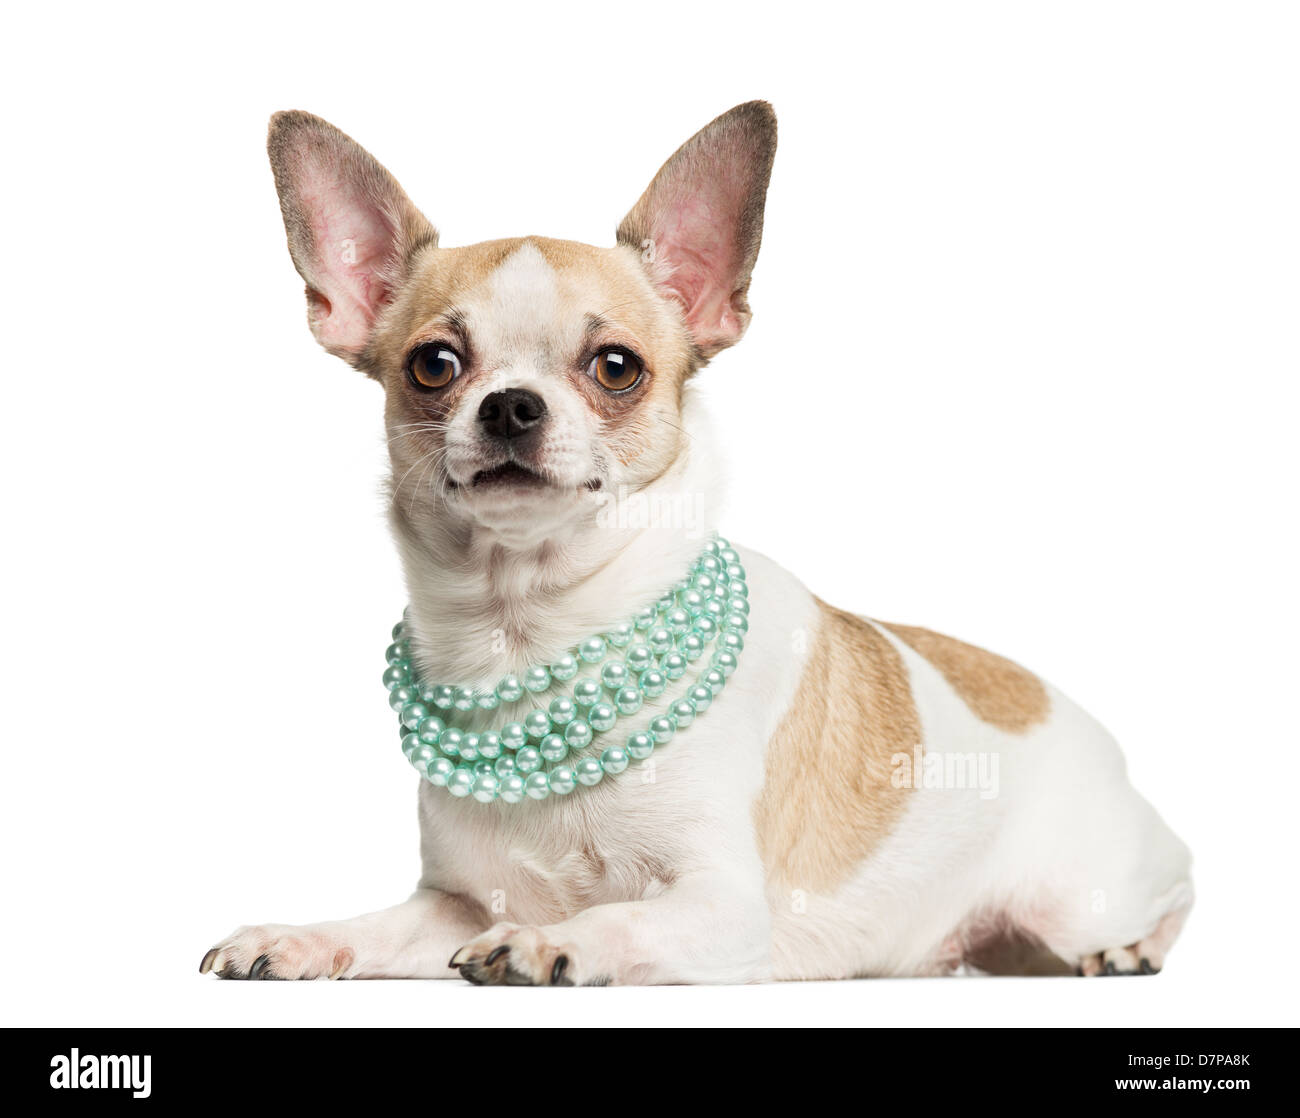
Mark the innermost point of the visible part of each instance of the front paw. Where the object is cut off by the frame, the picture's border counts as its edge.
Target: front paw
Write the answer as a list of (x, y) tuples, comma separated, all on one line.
[(271, 951), (510, 955)]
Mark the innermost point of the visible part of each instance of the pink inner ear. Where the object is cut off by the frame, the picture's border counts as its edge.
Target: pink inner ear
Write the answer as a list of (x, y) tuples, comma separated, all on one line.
[(695, 245), (353, 245)]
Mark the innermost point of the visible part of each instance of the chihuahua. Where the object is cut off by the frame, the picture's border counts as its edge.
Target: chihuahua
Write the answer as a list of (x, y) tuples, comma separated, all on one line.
[(861, 799)]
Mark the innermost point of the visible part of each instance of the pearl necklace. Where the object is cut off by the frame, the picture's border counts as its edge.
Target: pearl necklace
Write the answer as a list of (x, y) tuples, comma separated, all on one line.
[(545, 753)]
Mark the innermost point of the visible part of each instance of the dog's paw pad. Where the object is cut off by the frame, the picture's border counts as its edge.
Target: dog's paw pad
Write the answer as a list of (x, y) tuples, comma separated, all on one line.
[(510, 955), (1118, 961), (276, 951)]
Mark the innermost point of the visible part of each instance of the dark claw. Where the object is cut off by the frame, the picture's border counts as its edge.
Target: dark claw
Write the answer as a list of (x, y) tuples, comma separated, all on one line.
[(557, 971), (1144, 965), (1110, 969), (259, 967), (496, 953), (208, 960)]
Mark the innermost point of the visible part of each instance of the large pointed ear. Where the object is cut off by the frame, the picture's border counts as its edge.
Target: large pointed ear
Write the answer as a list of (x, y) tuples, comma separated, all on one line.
[(699, 224), (352, 230)]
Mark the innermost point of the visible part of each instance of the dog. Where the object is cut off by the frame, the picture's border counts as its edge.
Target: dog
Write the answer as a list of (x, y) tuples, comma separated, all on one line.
[(811, 823)]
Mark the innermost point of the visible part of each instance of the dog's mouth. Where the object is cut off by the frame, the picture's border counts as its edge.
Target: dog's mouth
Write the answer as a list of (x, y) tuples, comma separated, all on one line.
[(507, 474)]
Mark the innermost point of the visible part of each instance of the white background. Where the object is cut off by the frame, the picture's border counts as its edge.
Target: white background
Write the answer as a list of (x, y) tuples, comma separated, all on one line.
[(1023, 369)]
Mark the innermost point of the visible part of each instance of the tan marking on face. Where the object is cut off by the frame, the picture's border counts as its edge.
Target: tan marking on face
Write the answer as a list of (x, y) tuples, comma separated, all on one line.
[(828, 797), (997, 690)]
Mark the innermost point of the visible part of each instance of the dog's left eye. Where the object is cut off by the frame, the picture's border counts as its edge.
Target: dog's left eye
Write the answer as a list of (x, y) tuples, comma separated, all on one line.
[(433, 366), (615, 370)]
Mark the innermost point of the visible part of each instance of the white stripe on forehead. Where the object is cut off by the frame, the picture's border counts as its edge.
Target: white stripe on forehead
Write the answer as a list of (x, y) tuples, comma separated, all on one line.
[(522, 299)]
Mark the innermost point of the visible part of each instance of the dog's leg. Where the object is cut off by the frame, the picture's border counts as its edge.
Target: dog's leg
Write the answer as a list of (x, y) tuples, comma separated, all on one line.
[(409, 940), (701, 930)]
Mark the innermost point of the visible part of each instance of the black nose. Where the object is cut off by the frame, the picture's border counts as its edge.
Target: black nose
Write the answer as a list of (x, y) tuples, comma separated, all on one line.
[(510, 413)]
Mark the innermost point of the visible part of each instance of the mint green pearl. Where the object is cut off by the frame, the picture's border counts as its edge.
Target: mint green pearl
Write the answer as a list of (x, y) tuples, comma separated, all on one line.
[(412, 713), (463, 698), (621, 635), (411, 742), (592, 650), (714, 546), (725, 661), (449, 741), (439, 771), (640, 745), (673, 665), (714, 680), (443, 697), (538, 786), (602, 717), (512, 788), (483, 768), (737, 622), (662, 729), (396, 676), (706, 626), (537, 723), (664, 604), (553, 748), (398, 697), (486, 787), (709, 564), (628, 700), (735, 572), (461, 782), (488, 700), (660, 640), (563, 710), (513, 735), (577, 733), (563, 780), (586, 692), (701, 696), (399, 631), (528, 760), (652, 683), (677, 620), (510, 689), (691, 600), (683, 712), (733, 641), (691, 645), (588, 771), (565, 668), (715, 609), (739, 589), (638, 658), (645, 619), (489, 745), (615, 759), (430, 729), (469, 747), (421, 756), (537, 679), (704, 583), (614, 675), (504, 767), (738, 604)]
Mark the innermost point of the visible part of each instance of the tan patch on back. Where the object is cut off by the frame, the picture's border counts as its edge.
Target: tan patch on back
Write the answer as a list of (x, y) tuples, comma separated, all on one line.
[(997, 690), (827, 796)]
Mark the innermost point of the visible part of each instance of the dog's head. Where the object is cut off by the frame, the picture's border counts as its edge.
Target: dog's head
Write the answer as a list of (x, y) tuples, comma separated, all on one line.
[(526, 379)]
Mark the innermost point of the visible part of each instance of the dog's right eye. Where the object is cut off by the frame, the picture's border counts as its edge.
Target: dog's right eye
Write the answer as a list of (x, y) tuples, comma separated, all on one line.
[(433, 366)]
